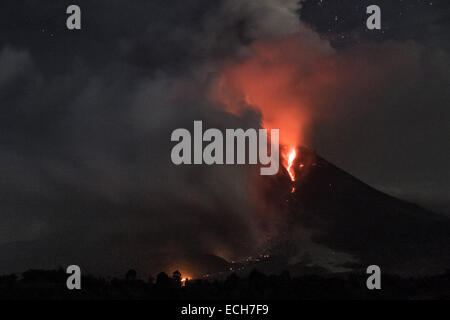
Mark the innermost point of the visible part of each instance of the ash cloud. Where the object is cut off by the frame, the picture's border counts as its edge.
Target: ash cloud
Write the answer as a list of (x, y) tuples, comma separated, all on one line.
[(86, 168)]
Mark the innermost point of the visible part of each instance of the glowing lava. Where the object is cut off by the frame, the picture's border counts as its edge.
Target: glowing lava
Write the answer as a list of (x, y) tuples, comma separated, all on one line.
[(290, 162)]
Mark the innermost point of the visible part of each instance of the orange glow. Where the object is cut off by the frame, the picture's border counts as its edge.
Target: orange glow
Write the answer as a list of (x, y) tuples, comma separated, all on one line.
[(183, 281)]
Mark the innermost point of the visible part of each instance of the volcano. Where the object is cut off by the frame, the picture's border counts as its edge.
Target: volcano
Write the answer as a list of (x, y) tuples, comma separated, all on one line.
[(346, 215)]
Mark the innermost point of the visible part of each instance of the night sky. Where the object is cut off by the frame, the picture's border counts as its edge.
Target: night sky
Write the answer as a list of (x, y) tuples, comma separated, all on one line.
[(87, 116)]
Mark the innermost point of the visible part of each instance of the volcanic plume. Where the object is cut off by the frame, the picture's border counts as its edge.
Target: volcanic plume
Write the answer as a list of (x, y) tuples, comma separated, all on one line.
[(278, 79)]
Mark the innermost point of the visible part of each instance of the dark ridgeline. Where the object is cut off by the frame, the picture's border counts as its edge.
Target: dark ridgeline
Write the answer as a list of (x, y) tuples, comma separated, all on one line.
[(42, 284)]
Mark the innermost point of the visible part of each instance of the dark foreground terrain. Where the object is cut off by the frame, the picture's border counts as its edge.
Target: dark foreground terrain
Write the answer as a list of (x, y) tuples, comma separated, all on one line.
[(43, 284)]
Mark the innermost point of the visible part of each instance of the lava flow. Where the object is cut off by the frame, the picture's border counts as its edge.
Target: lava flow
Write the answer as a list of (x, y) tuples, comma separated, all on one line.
[(290, 162), (289, 165)]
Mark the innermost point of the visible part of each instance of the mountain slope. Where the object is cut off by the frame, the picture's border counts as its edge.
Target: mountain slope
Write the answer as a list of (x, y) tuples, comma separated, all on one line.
[(346, 215)]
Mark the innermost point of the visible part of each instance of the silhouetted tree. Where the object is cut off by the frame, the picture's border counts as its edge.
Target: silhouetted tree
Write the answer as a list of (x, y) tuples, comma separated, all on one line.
[(232, 279), (51, 284), (8, 279), (285, 275), (131, 275), (255, 276), (176, 276), (50, 276), (162, 280)]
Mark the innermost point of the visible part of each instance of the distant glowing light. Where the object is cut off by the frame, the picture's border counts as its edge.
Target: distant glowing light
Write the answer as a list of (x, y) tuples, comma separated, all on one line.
[(183, 281)]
